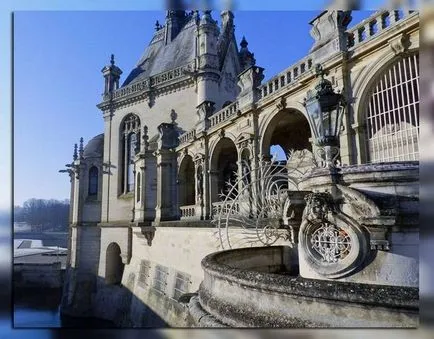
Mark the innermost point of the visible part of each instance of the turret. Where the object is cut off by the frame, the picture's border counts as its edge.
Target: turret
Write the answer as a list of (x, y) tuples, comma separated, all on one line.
[(208, 75), (112, 74)]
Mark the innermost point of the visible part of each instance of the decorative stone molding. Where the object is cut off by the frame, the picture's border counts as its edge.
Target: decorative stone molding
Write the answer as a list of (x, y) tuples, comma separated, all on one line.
[(199, 159), (244, 140)]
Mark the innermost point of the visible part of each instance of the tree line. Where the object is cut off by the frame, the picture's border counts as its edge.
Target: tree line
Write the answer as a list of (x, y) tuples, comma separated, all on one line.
[(44, 215)]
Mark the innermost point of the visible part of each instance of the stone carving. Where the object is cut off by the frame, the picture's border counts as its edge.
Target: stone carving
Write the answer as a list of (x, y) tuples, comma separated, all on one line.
[(332, 243), (145, 138), (319, 206), (147, 232), (281, 103), (400, 43), (168, 136), (200, 183)]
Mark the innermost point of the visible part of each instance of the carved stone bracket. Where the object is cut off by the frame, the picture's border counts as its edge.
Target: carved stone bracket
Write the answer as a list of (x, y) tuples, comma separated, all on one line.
[(125, 258), (146, 232), (281, 103), (400, 43)]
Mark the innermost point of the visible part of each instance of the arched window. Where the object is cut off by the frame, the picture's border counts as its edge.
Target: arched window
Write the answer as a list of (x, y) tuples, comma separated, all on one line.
[(93, 181), (130, 146), (392, 113)]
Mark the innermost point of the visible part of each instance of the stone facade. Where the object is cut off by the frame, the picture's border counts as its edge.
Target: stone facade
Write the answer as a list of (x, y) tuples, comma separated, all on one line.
[(189, 118)]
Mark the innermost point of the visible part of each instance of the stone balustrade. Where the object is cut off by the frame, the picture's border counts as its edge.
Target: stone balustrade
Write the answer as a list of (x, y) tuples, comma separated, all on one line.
[(224, 114), (373, 26), (225, 207), (288, 76), (187, 136), (188, 211), (154, 81)]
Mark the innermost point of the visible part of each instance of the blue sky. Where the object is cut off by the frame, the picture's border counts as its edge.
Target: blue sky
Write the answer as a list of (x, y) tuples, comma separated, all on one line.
[(58, 56), (57, 61)]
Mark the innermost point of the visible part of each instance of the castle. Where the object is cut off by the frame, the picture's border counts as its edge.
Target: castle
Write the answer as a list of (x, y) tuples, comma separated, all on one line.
[(177, 132)]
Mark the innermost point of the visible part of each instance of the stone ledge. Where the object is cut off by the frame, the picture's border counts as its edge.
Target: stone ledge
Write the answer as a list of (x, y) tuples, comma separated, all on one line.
[(373, 295)]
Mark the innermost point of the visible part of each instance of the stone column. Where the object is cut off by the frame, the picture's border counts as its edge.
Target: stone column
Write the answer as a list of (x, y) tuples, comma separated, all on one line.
[(213, 187), (145, 207), (78, 193), (167, 206), (360, 143)]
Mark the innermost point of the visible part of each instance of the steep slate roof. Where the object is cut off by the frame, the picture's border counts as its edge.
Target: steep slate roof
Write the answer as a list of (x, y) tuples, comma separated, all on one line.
[(159, 57)]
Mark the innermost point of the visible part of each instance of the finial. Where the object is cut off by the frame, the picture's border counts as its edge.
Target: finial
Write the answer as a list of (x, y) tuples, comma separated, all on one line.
[(112, 59), (206, 17), (145, 138), (157, 25), (75, 156), (81, 149), (243, 42), (173, 116)]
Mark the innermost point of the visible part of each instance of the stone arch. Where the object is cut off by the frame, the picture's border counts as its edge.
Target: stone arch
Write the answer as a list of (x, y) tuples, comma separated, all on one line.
[(374, 97), (114, 267), (288, 128), (186, 181), (223, 167)]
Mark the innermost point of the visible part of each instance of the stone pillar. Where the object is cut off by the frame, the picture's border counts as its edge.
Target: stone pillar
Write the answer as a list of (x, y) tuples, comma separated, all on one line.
[(167, 203), (78, 194), (145, 206), (213, 187), (248, 81), (360, 143)]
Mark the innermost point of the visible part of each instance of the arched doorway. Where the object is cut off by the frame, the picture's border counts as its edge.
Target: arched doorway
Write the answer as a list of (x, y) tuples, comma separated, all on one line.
[(186, 182), (287, 130), (223, 169), (114, 268)]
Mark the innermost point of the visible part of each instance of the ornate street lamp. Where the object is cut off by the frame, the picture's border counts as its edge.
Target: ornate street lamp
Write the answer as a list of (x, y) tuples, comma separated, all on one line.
[(325, 109)]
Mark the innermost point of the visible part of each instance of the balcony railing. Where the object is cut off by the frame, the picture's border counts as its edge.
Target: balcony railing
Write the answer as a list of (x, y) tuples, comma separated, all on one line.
[(153, 81), (188, 211), (224, 114), (224, 208), (374, 25), (187, 136), (286, 77)]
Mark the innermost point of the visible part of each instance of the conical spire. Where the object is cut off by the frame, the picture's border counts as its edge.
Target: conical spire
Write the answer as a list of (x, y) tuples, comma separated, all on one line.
[(246, 58), (111, 75)]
